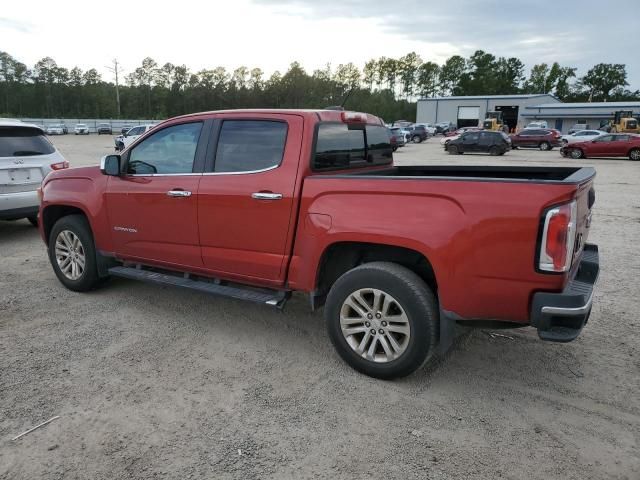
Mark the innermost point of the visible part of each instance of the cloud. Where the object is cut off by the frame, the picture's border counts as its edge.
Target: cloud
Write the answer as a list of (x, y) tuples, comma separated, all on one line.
[(17, 25), (580, 33)]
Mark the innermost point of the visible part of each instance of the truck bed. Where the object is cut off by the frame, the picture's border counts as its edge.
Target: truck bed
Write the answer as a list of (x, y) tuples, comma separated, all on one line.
[(563, 175)]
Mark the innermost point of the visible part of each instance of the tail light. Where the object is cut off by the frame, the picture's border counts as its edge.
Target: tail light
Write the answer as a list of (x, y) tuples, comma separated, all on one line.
[(558, 238), (60, 165)]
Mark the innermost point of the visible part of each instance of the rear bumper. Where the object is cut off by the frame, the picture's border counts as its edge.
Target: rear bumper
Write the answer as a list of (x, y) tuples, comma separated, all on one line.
[(19, 205), (560, 317)]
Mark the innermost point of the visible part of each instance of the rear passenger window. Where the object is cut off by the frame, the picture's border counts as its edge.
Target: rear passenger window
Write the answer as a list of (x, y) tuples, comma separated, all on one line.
[(250, 145), (379, 145)]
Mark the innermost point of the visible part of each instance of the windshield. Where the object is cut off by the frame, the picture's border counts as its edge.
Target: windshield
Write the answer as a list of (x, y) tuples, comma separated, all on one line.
[(22, 142), (81, 125)]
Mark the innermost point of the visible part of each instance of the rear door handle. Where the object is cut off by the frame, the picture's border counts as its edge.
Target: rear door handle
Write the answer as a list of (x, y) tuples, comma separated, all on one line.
[(266, 196), (179, 193)]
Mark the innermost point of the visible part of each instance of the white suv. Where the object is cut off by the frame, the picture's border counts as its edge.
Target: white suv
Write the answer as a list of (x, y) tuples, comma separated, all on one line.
[(123, 141), (26, 157)]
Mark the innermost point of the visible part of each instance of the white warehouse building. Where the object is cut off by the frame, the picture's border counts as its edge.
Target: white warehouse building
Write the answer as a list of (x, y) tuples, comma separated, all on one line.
[(519, 110)]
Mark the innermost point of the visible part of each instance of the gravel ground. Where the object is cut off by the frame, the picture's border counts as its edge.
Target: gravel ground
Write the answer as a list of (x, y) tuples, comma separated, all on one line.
[(154, 382)]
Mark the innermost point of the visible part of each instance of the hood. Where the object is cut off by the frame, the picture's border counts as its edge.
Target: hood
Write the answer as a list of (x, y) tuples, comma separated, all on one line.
[(89, 173)]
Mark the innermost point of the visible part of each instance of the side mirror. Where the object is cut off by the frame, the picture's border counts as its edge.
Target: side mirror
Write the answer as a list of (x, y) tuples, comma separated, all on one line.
[(110, 165)]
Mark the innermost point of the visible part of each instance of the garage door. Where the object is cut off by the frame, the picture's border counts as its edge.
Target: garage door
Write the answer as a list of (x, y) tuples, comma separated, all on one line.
[(468, 116), (469, 113)]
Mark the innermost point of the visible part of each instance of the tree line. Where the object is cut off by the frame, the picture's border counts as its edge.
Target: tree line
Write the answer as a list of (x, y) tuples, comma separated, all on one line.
[(387, 87)]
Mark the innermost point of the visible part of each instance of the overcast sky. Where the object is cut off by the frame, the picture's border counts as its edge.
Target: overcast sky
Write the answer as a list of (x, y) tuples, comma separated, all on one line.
[(272, 33)]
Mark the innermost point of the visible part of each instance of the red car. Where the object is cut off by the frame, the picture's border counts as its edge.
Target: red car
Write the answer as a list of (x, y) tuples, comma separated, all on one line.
[(257, 204), (606, 145), (542, 138)]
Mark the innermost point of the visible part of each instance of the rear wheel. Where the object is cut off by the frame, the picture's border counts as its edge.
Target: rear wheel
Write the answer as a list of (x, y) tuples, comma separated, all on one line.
[(33, 220), (634, 154), (544, 146), (72, 253), (576, 153), (416, 139), (382, 319)]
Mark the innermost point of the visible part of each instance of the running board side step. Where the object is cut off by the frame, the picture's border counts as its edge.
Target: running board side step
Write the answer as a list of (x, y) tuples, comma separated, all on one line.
[(273, 298)]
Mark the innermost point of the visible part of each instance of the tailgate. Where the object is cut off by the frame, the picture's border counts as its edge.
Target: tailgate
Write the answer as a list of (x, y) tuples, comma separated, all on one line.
[(585, 199)]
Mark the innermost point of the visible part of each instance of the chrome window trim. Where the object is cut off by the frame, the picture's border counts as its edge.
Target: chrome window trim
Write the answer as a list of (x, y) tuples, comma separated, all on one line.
[(247, 172), (161, 174)]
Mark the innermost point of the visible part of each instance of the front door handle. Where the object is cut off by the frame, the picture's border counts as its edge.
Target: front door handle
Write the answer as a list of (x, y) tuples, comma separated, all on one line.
[(266, 196), (179, 193)]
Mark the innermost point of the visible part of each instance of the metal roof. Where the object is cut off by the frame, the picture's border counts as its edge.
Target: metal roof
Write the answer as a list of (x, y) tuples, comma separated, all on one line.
[(489, 97), (568, 106)]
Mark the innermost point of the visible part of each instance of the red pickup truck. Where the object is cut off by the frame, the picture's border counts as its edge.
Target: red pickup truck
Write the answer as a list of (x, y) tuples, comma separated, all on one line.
[(257, 204)]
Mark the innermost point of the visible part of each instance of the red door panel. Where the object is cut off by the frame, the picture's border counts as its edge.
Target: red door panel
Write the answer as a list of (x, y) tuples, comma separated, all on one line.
[(150, 224), (245, 218)]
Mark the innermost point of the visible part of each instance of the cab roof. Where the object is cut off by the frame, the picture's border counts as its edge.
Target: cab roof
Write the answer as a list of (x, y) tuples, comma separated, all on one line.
[(322, 115)]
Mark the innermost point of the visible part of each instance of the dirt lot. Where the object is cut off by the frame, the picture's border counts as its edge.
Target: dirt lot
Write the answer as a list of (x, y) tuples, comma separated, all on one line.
[(154, 382)]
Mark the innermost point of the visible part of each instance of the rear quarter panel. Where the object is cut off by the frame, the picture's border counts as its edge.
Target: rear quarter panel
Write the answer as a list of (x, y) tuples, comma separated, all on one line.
[(479, 236)]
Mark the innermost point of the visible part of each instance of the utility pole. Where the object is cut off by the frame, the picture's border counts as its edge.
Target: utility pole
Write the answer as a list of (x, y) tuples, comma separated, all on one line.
[(115, 70)]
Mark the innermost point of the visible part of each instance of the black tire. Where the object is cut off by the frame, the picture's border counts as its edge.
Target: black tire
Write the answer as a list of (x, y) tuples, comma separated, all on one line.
[(33, 220), (634, 154), (453, 150), (395, 148), (419, 305), (416, 139), (544, 146), (78, 225), (493, 151), (576, 153)]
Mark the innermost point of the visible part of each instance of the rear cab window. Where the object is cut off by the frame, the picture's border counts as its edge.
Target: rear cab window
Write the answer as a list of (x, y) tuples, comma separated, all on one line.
[(23, 142), (342, 146)]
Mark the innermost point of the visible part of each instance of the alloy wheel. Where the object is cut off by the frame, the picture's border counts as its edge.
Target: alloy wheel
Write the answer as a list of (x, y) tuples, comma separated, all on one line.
[(375, 325), (70, 255)]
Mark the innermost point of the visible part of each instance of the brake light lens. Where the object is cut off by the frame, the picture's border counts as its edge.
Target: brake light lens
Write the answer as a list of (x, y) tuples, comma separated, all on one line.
[(60, 165), (354, 117), (558, 238)]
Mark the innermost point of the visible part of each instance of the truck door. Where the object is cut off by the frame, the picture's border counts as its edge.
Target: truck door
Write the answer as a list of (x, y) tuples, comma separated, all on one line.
[(152, 207), (246, 196)]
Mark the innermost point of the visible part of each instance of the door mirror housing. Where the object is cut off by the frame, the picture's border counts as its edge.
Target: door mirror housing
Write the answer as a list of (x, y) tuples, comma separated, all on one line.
[(110, 165)]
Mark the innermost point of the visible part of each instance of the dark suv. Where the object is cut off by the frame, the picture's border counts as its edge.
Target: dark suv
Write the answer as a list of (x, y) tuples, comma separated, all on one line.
[(542, 138), (417, 133), (483, 141)]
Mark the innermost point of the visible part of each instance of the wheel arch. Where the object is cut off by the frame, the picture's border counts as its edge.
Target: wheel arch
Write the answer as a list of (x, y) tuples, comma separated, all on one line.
[(52, 213), (340, 257)]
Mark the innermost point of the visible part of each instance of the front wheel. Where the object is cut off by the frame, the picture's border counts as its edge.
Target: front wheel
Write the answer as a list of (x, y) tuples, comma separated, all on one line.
[(634, 154), (382, 319), (544, 146), (416, 139), (493, 151), (72, 253), (453, 150)]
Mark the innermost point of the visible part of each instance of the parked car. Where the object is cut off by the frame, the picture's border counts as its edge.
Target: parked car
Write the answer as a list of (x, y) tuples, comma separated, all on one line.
[(26, 157), (431, 129), (104, 128), (483, 141), (542, 138), (399, 137), (362, 244), (606, 145), (538, 124), (54, 130), (418, 133), (456, 134), (444, 127), (577, 127), (81, 129), (123, 141), (580, 136), (125, 129)]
